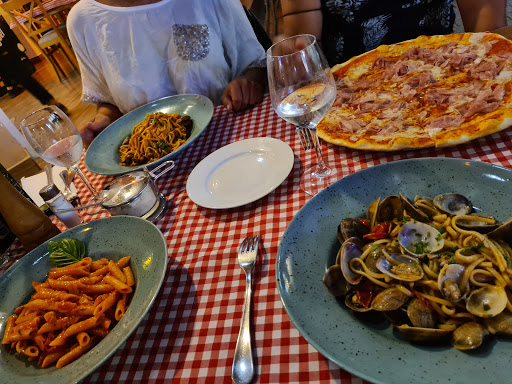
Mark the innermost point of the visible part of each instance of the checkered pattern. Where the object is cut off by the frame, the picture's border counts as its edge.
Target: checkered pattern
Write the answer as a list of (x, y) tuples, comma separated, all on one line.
[(189, 335)]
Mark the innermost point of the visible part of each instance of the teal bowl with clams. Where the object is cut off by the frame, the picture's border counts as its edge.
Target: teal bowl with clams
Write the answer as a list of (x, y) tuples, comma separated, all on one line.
[(372, 350)]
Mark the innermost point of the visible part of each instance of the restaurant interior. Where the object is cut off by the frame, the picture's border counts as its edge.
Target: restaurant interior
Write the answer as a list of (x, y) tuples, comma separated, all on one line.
[(189, 309)]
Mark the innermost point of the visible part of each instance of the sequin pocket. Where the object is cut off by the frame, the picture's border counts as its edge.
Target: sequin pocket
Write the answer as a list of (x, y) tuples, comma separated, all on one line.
[(192, 41)]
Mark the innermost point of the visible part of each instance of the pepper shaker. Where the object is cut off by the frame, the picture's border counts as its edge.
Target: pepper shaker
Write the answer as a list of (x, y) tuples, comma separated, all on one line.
[(56, 200)]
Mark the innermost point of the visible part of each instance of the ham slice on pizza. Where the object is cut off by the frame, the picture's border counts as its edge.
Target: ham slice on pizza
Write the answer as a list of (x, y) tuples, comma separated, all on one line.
[(430, 91)]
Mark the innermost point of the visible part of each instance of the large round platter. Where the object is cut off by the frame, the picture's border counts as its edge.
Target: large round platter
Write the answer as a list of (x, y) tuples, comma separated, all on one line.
[(113, 238), (372, 351), (102, 156)]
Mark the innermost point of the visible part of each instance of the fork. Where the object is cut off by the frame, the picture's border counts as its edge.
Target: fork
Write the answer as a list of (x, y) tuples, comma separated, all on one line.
[(243, 369), (305, 137)]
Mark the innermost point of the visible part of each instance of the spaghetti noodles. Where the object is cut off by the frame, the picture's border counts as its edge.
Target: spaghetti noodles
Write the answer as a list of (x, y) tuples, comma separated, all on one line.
[(158, 135), (435, 282)]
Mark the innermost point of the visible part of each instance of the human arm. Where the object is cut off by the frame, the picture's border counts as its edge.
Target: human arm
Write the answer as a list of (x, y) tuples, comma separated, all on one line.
[(302, 16), (482, 15), (246, 90), (244, 55), (105, 114)]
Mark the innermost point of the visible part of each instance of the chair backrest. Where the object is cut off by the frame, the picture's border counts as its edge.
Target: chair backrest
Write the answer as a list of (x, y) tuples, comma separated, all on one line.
[(35, 22)]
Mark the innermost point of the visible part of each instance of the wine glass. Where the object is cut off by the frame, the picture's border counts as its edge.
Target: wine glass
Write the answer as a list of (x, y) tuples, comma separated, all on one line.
[(55, 138), (302, 89)]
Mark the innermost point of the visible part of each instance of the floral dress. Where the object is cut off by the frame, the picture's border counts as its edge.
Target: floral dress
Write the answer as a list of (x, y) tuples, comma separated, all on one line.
[(351, 27)]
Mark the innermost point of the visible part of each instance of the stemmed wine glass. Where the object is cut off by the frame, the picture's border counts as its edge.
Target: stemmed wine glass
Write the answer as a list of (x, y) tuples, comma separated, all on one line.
[(55, 138), (302, 89)]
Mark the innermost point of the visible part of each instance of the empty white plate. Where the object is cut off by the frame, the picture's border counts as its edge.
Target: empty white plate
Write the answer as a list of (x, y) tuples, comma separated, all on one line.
[(240, 173)]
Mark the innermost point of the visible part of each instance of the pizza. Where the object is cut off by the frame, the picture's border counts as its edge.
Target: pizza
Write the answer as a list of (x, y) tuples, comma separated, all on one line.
[(431, 91)]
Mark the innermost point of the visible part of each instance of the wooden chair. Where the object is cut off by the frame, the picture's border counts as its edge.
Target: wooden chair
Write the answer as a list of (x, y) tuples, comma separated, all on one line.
[(38, 26)]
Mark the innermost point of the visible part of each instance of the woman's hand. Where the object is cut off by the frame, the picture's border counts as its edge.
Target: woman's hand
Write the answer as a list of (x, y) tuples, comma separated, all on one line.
[(245, 91), (105, 115)]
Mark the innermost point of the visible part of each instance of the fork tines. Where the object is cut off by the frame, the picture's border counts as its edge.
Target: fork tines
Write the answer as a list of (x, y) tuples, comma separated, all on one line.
[(305, 138), (250, 244)]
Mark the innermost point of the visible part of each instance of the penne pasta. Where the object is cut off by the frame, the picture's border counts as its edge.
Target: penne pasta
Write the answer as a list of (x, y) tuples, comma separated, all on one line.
[(98, 264), (71, 311), (130, 280), (46, 293), (116, 272), (77, 271), (120, 308), (74, 354), (123, 262), (83, 338), (117, 284), (106, 304)]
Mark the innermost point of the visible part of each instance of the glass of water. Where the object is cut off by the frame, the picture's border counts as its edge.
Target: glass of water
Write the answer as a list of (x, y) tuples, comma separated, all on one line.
[(55, 138), (302, 89)]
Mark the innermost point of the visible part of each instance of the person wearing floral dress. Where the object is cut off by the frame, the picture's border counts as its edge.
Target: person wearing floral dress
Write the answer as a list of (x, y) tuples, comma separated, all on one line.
[(347, 28)]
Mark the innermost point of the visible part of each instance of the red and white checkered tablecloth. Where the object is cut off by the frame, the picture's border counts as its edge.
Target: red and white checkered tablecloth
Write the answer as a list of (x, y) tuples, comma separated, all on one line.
[(190, 333)]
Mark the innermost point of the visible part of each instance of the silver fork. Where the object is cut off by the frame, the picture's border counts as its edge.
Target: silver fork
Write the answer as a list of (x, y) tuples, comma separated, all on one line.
[(306, 139), (243, 369)]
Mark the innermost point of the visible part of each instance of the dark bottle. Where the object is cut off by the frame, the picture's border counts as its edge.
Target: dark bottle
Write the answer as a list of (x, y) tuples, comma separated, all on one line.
[(45, 208), (6, 236), (24, 219)]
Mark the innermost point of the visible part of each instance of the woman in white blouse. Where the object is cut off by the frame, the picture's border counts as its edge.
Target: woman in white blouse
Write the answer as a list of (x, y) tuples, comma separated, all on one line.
[(132, 52)]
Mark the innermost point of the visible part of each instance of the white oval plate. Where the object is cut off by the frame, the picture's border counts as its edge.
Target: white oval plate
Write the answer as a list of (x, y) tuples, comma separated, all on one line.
[(240, 173)]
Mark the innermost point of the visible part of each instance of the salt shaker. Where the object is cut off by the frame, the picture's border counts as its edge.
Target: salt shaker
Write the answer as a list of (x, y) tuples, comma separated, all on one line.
[(56, 200)]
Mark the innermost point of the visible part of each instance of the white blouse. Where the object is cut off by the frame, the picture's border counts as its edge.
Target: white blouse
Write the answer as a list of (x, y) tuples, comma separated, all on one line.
[(130, 56)]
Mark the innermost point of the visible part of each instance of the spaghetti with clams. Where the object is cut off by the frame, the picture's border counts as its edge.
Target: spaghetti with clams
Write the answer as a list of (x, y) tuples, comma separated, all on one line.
[(435, 269)]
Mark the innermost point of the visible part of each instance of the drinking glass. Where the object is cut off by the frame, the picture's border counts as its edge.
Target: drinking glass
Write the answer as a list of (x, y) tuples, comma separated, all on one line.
[(55, 138), (302, 89)]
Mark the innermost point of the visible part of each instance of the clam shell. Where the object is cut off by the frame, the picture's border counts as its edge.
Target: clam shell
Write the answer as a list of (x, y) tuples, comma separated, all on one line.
[(351, 249), (420, 239), (469, 336), (487, 301), (335, 282), (389, 300), (400, 267), (453, 204), (449, 280), (425, 336)]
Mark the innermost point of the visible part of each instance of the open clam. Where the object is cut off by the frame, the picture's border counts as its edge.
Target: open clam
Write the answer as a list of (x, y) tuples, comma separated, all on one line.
[(351, 228), (449, 282), (420, 315), (500, 324), (335, 282), (469, 336), (389, 299), (453, 204), (400, 267), (487, 301), (352, 303), (390, 208), (503, 232), (420, 239), (371, 213), (351, 249), (425, 336), (478, 225), (412, 211)]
